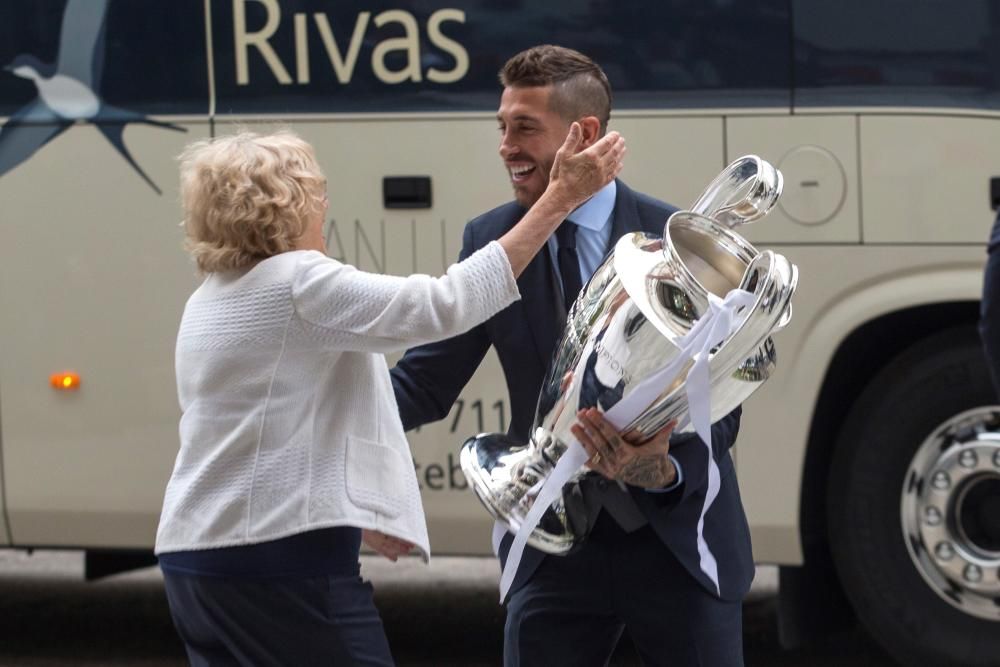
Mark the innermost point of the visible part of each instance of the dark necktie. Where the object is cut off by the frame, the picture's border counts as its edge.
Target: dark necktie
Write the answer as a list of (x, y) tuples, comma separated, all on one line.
[(569, 263)]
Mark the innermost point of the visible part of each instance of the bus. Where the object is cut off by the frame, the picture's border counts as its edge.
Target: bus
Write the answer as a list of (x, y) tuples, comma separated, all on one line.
[(870, 462)]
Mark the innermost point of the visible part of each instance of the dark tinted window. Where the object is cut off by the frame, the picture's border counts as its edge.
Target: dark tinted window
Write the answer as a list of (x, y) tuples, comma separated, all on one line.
[(273, 56), (151, 58), (155, 57), (402, 55), (897, 53)]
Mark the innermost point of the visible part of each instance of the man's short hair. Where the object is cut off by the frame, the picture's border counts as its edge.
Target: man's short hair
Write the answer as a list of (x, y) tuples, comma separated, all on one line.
[(247, 197), (579, 86)]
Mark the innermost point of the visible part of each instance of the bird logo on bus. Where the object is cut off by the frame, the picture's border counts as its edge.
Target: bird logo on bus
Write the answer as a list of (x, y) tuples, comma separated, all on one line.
[(67, 93)]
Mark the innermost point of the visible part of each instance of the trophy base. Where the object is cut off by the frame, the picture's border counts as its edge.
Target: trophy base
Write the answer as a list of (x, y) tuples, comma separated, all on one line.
[(505, 475)]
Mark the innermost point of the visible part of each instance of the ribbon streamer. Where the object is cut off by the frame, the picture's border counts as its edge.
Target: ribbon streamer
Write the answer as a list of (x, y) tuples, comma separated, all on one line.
[(708, 332)]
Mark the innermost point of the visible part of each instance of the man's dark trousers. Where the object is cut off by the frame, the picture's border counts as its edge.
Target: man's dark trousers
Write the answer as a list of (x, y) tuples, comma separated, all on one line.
[(574, 609)]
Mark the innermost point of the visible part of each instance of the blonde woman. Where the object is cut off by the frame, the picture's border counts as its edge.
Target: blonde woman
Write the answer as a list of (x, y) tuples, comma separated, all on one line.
[(292, 450)]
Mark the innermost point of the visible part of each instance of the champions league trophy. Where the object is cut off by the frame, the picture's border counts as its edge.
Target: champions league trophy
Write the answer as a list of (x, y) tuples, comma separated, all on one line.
[(672, 328)]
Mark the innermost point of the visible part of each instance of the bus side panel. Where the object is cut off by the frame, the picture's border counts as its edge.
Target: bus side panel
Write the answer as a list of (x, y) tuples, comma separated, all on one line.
[(927, 178), (89, 467), (92, 280), (818, 157)]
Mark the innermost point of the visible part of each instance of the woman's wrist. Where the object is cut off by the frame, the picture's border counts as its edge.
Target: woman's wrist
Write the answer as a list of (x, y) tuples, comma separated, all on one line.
[(554, 205)]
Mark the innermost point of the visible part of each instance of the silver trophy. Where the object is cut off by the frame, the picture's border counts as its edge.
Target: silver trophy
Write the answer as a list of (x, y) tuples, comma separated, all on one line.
[(631, 320)]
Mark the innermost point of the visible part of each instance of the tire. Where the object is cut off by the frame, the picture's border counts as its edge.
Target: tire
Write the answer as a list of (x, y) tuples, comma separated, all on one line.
[(922, 415)]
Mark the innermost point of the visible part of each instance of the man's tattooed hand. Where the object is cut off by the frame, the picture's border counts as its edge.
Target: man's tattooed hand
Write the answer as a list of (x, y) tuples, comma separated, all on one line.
[(627, 458)]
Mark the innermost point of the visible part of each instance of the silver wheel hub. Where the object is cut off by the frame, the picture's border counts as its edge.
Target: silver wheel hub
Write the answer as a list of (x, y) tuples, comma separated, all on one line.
[(951, 511)]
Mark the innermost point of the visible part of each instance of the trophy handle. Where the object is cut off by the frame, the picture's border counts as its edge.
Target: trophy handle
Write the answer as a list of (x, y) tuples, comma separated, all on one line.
[(773, 279), (745, 191)]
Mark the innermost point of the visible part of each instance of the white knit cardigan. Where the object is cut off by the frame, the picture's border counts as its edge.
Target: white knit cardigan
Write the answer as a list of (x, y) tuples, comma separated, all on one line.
[(289, 422)]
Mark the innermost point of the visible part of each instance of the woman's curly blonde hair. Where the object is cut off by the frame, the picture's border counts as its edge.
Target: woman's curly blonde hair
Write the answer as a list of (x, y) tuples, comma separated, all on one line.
[(247, 197)]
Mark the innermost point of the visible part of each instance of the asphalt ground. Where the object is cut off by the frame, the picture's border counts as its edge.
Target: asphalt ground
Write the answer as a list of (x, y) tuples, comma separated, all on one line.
[(439, 615)]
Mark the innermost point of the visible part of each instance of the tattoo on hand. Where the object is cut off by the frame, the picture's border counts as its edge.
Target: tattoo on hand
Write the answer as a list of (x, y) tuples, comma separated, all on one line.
[(648, 472)]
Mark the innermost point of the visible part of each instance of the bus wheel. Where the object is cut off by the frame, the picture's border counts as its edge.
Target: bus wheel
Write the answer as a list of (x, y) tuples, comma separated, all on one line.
[(913, 500)]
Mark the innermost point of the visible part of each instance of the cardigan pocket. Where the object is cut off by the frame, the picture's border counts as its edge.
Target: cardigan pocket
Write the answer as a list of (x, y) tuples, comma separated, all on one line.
[(375, 475)]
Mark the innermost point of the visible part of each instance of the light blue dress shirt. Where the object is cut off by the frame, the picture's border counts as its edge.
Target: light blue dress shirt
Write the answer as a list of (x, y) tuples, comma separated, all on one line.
[(593, 221)]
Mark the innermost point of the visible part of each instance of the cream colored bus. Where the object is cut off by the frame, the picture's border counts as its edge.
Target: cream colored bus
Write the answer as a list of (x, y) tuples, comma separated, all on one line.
[(866, 464)]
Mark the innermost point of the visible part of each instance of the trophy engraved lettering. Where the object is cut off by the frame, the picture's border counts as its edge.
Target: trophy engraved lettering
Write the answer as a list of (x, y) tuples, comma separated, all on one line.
[(630, 342)]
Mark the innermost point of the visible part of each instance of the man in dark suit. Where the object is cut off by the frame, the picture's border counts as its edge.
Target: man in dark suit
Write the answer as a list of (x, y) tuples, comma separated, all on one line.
[(668, 557)]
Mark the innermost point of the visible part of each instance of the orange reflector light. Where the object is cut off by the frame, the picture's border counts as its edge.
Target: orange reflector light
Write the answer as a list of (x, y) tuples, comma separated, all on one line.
[(67, 380)]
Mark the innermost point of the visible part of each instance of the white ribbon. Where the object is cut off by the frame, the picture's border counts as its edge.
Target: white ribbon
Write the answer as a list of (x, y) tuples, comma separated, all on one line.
[(708, 332)]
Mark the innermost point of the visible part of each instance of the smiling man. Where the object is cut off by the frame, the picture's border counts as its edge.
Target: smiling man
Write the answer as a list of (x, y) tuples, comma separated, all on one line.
[(534, 112), (642, 567)]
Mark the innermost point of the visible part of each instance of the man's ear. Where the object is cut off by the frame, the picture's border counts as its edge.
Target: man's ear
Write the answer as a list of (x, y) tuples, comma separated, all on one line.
[(591, 131)]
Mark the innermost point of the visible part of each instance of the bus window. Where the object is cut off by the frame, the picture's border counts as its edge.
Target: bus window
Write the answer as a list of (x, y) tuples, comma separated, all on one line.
[(897, 53)]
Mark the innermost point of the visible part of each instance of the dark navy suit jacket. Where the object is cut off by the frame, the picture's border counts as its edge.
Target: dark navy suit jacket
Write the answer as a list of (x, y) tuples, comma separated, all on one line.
[(428, 379)]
